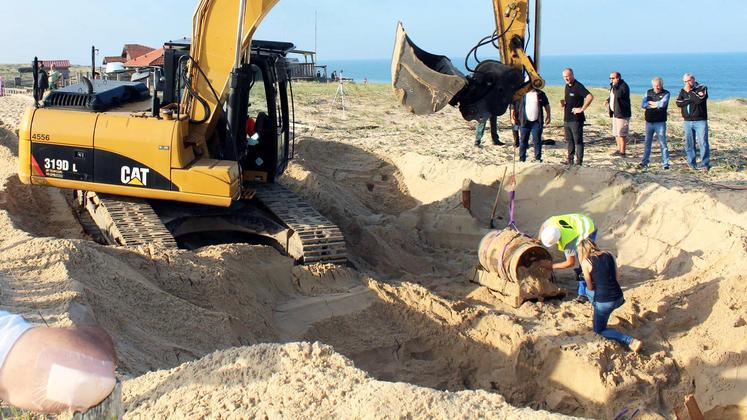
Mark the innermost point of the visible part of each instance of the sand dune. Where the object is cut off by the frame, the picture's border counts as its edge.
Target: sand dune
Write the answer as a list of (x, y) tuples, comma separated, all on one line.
[(238, 331)]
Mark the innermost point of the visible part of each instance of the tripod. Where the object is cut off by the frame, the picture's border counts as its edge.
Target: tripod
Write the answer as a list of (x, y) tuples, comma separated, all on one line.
[(340, 93)]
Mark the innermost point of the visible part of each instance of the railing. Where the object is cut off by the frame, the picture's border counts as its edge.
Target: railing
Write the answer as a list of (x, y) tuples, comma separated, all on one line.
[(15, 91), (302, 70)]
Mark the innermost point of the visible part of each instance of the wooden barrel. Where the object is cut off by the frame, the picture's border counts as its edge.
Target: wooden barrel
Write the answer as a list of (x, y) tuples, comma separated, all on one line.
[(504, 252)]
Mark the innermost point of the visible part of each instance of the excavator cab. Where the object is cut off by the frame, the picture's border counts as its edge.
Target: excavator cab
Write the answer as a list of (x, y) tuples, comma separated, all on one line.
[(256, 130), (270, 145)]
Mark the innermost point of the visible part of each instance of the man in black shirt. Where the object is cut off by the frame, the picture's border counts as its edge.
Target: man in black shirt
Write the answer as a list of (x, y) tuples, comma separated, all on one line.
[(577, 99)]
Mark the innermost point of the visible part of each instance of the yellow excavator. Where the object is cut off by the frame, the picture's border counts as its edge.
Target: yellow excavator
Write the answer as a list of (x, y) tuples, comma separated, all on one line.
[(193, 161)]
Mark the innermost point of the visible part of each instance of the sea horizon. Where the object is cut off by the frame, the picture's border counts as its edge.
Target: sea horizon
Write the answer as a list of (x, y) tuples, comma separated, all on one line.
[(725, 73)]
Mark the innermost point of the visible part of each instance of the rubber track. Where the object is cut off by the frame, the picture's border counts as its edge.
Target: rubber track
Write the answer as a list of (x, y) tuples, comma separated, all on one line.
[(322, 240), (134, 222)]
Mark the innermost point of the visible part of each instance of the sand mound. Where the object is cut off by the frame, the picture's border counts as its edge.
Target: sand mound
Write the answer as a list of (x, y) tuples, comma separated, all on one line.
[(670, 242), (298, 380)]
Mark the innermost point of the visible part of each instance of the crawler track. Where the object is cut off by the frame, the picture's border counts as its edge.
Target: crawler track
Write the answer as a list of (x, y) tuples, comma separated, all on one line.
[(321, 240), (126, 221)]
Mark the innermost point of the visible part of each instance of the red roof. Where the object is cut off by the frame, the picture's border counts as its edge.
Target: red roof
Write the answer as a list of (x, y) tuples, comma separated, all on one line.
[(153, 58), (132, 51), (60, 64), (114, 59)]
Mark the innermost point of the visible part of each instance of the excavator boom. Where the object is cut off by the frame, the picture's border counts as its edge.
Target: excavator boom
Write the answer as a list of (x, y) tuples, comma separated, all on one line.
[(217, 36)]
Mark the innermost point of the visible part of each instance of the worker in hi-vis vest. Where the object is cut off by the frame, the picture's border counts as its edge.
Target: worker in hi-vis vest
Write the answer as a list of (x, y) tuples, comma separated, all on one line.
[(567, 231)]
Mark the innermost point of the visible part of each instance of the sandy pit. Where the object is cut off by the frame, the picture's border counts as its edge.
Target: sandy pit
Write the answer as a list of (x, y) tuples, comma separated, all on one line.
[(236, 331)]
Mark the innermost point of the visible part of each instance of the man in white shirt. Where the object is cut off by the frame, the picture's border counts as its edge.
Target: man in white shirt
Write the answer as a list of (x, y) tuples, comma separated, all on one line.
[(530, 114)]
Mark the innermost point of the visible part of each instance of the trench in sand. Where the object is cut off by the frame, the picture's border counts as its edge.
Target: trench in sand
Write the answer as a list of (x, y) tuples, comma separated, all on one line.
[(409, 312)]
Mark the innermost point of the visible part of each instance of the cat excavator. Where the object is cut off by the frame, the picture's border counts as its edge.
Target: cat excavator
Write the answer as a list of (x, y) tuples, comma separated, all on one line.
[(193, 161)]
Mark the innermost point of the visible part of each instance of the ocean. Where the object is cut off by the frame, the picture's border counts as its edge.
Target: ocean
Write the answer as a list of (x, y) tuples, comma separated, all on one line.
[(725, 74)]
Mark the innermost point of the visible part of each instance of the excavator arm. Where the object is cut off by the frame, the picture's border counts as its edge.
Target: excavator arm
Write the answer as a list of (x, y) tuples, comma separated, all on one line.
[(424, 83)]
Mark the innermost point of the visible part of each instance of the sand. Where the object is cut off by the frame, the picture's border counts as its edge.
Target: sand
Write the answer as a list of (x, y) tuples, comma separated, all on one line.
[(236, 331)]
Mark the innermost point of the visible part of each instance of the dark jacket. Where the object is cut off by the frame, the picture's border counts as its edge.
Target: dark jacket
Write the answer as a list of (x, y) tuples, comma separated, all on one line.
[(659, 114), (693, 103), (622, 100), (42, 81), (521, 109)]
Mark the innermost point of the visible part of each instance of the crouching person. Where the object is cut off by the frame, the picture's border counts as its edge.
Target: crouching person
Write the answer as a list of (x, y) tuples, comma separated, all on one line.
[(50, 370), (600, 274)]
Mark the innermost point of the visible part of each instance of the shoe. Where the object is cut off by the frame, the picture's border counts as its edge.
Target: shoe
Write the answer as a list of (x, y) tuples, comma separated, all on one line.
[(582, 299), (705, 169), (615, 153), (665, 167), (642, 166), (498, 143), (636, 345), (566, 162), (478, 145)]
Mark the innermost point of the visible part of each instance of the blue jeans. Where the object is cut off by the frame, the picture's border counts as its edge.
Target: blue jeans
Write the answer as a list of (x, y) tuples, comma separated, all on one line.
[(602, 312), (535, 129), (480, 130), (660, 128), (697, 129)]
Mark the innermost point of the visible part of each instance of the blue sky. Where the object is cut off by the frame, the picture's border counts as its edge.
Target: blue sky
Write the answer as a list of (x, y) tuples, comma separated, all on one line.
[(365, 28)]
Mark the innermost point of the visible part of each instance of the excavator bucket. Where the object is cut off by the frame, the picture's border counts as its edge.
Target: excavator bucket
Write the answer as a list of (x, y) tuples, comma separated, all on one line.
[(424, 82)]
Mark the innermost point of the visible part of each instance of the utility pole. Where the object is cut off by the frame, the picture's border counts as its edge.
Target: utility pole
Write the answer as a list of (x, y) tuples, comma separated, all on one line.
[(315, 50)]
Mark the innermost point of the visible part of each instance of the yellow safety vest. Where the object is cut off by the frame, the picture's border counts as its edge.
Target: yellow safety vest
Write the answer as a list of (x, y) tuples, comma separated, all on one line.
[(572, 227)]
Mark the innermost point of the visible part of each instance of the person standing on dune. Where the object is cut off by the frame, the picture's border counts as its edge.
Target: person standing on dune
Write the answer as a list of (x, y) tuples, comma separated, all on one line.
[(618, 105), (692, 101), (577, 99), (656, 103)]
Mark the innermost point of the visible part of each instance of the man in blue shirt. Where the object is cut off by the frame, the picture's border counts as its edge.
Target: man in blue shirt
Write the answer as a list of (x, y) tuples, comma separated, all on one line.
[(656, 102)]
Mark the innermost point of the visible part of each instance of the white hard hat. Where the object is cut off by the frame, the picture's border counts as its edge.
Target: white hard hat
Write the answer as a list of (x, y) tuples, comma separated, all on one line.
[(550, 236)]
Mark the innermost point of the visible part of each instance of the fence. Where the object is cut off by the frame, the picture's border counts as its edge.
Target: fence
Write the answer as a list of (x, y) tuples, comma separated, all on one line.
[(302, 71), (17, 91)]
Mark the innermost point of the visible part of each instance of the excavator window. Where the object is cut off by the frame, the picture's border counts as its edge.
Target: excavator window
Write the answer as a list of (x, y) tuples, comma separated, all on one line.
[(257, 94)]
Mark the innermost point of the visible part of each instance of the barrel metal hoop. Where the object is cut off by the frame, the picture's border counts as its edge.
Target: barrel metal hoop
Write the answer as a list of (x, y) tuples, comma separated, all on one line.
[(504, 269)]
